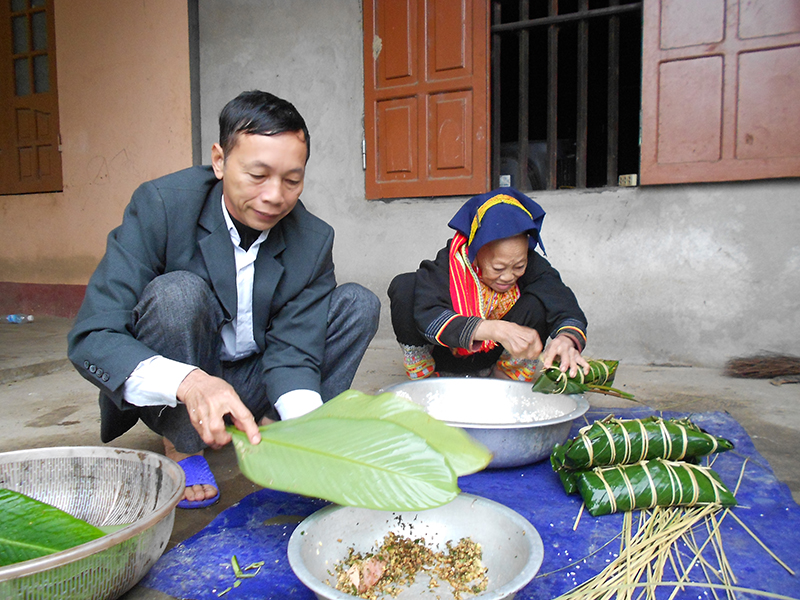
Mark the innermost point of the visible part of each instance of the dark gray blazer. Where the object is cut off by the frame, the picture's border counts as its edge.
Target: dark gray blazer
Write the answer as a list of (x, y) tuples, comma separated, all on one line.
[(176, 223)]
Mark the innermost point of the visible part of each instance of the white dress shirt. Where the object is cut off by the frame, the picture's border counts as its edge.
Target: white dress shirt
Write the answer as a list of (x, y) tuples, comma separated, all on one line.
[(155, 381)]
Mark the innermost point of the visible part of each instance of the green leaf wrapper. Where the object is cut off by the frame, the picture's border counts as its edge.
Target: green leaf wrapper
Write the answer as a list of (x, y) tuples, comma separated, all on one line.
[(31, 529), (461, 451), (607, 490), (599, 379), (626, 441), (380, 452)]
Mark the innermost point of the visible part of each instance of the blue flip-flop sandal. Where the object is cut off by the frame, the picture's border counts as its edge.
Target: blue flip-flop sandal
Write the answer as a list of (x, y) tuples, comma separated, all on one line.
[(198, 473)]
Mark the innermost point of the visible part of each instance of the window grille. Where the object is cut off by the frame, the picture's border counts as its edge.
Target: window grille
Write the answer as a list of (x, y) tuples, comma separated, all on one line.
[(565, 92)]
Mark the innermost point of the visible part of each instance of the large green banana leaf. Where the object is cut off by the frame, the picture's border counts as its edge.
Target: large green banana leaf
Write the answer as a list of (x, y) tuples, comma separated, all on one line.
[(30, 529), (463, 453), (358, 450)]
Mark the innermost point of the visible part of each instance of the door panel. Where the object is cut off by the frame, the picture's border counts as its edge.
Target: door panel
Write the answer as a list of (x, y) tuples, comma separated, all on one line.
[(768, 101), (397, 121), (449, 135), (720, 84), (690, 131), (30, 158), (426, 97)]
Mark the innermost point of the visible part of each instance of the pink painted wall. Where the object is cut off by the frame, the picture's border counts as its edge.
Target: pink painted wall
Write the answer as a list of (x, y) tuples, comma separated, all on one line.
[(124, 109)]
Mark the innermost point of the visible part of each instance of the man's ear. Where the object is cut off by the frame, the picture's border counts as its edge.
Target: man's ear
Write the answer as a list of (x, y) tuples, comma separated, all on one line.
[(218, 160)]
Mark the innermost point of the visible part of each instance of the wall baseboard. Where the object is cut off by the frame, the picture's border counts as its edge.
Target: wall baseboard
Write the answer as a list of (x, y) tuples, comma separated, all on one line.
[(55, 300)]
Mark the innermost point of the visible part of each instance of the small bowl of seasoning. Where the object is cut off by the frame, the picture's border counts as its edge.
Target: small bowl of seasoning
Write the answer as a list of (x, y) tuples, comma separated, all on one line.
[(471, 547)]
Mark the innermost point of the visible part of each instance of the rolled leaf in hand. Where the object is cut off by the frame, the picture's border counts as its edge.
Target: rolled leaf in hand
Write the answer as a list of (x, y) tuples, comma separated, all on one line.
[(599, 379)]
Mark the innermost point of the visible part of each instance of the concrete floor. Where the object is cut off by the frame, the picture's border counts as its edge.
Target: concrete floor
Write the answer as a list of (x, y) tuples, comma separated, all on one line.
[(46, 403)]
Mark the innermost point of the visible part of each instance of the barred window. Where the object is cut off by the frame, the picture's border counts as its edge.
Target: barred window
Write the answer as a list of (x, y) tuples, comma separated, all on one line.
[(565, 91)]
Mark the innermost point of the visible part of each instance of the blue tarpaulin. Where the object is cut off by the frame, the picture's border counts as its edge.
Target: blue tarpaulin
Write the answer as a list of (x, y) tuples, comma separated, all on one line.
[(258, 529)]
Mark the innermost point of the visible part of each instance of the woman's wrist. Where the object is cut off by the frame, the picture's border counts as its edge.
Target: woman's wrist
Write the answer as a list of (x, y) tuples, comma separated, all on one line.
[(482, 331), (572, 340)]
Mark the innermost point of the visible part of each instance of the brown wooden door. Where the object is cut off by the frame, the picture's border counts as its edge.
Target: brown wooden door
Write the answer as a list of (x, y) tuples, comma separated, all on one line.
[(720, 89), (426, 96), (30, 157)]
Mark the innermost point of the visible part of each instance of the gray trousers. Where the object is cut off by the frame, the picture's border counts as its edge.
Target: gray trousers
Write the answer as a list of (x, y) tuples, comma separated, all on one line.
[(179, 317)]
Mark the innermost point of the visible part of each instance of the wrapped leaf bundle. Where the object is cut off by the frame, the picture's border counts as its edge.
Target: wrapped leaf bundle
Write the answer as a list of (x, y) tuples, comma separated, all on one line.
[(614, 441), (599, 379), (648, 484)]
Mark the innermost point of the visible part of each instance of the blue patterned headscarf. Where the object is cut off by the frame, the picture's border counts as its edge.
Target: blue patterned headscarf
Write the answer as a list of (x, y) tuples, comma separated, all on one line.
[(501, 213)]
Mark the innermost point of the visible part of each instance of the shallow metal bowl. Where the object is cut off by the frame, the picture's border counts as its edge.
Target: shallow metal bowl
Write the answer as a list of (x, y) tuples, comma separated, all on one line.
[(104, 486), (512, 548), (519, 426)]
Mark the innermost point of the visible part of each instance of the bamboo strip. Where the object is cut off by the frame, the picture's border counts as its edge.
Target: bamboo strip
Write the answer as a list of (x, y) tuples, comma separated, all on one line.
[(760, 543), (572, 595), (721, 556), (647, 549), (628, 525), (675, 559), (645, 554), (684, 578), (741, 476), (691, 542), (578, 518), (580, 560)]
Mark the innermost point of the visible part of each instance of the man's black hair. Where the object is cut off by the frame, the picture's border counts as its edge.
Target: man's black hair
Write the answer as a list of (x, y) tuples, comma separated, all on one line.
[(259, 113)]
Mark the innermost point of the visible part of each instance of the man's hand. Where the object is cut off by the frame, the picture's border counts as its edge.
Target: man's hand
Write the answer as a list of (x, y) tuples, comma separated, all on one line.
[(569, 357), (520, 341), (208, 399)]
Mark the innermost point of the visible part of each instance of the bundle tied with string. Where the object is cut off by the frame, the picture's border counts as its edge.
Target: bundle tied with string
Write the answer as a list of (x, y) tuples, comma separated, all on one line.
[(598, 379), (612, 464), (648, 484)]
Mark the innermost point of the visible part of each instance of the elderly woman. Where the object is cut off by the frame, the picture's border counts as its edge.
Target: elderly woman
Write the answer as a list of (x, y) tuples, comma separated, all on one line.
[(488, 302)]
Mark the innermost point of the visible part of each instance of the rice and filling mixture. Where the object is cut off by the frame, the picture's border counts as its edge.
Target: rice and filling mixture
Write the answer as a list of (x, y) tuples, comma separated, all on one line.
[(399, 559), (505, 410)]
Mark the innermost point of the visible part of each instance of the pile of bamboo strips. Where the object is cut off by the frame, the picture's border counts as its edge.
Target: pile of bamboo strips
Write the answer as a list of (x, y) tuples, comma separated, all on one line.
[(673, 542)]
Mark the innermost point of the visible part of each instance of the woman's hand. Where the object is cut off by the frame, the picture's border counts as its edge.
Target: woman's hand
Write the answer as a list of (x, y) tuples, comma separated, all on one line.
[(569, 357), (518, 340)]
